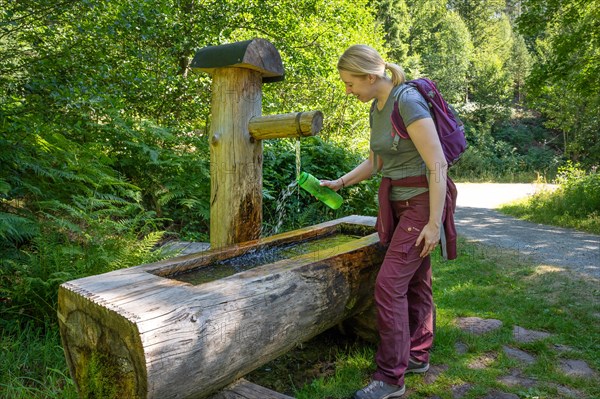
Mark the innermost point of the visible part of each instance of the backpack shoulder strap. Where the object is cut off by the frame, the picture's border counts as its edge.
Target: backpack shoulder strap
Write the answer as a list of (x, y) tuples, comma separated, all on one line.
[(398, 126)]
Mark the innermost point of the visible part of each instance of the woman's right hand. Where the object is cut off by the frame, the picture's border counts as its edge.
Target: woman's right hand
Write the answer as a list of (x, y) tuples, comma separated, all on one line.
[(356, 175), (335, 185)]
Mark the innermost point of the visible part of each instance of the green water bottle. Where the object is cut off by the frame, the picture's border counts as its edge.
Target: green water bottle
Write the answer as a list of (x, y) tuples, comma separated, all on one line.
[(322, 193)]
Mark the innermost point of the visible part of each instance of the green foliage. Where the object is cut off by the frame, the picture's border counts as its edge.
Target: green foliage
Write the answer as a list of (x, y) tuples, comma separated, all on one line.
[(103, 144), (64, 213), (519, 66), (81, 243), (516, 150), (393, 16), (284, 210), (491, 35), (574, 204), (480, 18), (446, 57), (564, 82), (581, 189), (427, 39)]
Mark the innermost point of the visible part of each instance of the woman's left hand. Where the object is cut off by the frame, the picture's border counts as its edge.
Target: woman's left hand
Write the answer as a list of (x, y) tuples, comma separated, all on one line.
[(430, 235)]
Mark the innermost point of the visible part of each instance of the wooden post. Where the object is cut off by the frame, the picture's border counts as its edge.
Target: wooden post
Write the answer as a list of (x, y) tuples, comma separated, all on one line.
[(235, 159), (238, 71), (237, 128)]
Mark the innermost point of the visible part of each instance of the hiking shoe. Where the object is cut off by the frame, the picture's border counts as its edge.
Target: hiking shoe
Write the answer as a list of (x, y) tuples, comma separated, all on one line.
[(417, 367), (380, 390)]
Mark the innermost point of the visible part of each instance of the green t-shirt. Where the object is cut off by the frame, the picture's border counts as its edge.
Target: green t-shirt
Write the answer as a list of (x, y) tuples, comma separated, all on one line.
[(404, 160)]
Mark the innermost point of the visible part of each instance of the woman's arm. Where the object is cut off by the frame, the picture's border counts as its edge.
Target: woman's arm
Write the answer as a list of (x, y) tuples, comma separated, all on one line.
[(424, 135), (356, 175)]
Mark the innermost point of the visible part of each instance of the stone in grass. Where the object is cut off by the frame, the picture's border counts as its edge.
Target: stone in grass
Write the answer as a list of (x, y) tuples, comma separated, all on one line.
[(516, 379), (434, 372), (525, 336), (477, 325), (461, 348), (482, 362), (577, 368), (568, 392), (518, 355), (562, 348), (459, 391), (500, 395)]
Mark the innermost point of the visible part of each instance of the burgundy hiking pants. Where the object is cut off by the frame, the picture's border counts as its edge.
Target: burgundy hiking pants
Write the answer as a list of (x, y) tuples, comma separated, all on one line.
[(403, 295)]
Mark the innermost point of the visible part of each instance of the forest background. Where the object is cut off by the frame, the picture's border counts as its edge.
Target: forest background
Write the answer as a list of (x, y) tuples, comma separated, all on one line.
[(104, 128)]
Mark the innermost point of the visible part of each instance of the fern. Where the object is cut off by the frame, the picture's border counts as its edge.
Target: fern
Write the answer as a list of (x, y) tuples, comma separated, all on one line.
[(17, 228), (4, 187)]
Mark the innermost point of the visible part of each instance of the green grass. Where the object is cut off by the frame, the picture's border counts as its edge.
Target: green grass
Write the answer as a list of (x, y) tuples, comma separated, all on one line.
[(574, 204), (484, 282), (553, 208), (32, 364)]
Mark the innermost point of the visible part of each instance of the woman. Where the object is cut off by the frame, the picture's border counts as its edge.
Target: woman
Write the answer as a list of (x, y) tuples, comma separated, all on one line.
[(413, 189)]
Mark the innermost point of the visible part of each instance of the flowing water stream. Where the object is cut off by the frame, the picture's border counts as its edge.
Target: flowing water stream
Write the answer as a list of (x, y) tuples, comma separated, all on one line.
[(298, 160), (285, 194)]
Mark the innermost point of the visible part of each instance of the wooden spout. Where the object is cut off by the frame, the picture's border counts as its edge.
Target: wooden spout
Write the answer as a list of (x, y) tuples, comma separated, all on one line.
[(297, 124)]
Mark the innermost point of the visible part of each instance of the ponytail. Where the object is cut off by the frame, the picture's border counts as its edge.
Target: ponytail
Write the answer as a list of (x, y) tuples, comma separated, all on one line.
[(398, 75)]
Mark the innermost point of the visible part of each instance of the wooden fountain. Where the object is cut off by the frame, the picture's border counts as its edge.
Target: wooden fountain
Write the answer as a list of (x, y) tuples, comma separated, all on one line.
[(149, 332)]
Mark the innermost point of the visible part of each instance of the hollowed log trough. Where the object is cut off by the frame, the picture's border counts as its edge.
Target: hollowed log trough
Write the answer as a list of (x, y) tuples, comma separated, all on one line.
[(151, 334)]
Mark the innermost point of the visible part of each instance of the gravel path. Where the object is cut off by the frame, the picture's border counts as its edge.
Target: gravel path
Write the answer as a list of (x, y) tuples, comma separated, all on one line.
[(477, 220)]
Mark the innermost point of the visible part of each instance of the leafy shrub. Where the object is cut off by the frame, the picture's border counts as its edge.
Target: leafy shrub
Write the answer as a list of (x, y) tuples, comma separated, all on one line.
[(515, 150), (79, 243), (580, 189), (65, 213), (575, 203)]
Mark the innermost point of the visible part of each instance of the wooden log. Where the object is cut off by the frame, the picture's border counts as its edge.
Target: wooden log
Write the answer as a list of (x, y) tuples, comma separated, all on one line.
[(147, 335), (297, 124), (235, 159), (243, 389)]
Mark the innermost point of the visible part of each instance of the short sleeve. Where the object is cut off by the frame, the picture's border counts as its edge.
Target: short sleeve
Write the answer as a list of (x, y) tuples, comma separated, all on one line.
[(412, 106)]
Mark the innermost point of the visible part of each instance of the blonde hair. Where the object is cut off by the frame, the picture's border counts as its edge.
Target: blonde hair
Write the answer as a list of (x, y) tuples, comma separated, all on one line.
[(362, 60)]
